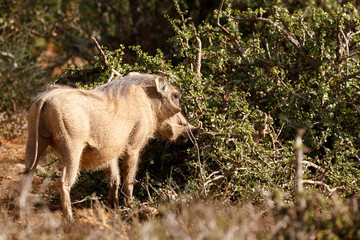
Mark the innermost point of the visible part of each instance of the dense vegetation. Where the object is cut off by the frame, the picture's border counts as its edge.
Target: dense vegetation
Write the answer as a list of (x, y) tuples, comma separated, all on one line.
[(253, 73)]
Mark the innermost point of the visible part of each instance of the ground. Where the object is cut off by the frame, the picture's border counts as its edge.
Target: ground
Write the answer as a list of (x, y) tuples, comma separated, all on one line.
[(12, 155), (12, 164)]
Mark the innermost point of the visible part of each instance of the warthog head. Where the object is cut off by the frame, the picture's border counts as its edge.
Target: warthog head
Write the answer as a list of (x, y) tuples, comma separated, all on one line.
[(175, 127)]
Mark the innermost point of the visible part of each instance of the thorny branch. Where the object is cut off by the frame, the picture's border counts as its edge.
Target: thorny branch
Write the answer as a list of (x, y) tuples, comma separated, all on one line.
[(228, 34), (104, 58), (105, 62), (313, 62)]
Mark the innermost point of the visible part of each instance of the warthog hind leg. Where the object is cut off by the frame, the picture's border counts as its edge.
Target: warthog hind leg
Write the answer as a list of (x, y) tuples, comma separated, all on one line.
[(71, 167)]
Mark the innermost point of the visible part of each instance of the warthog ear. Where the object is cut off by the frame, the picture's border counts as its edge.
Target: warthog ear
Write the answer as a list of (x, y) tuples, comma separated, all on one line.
[(171, 107), (161, 86)]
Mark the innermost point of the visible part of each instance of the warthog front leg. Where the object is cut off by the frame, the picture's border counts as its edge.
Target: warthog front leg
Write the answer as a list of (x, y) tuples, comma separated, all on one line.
[(114, 182), (129, 171)]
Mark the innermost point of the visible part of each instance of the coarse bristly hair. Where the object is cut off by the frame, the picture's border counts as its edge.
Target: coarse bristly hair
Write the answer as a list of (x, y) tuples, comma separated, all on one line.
[(120, 86), (114, 90)]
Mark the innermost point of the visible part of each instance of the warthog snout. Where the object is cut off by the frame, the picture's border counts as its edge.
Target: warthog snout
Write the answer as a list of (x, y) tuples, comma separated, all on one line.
[(189, 135), (178, 130)]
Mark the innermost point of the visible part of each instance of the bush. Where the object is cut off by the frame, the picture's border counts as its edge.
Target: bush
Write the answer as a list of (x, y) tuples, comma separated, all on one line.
[(264, 74)]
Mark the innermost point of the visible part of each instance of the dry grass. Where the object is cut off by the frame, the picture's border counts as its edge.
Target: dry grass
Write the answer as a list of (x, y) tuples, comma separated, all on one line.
[(182, 218), (179, 219)]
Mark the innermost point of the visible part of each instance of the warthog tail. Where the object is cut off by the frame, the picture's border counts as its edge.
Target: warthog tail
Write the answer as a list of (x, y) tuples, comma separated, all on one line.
[(30, 166)]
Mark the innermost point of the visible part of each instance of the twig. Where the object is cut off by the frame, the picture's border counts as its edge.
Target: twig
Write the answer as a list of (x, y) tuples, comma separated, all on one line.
[(282, 126), (14, 105), (311, 164), (221, 134), (85, 199), (228, 34), (330, 190), (292, 91), (113, 72), (105, 61), (347, 53), (198, 53), (353, 34), (167, 75), (52, 162), (214, 173), (356, 108), (224, 177), (196, 102), (193, 141), (147, 187), (299, 159), (267, 48), (111, 76), (306, 30), (355, 74), (212, 180), (10, 55), (104, 58)]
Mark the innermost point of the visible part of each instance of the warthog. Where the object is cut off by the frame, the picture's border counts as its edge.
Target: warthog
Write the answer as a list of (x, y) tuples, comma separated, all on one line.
[(93, 128)]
